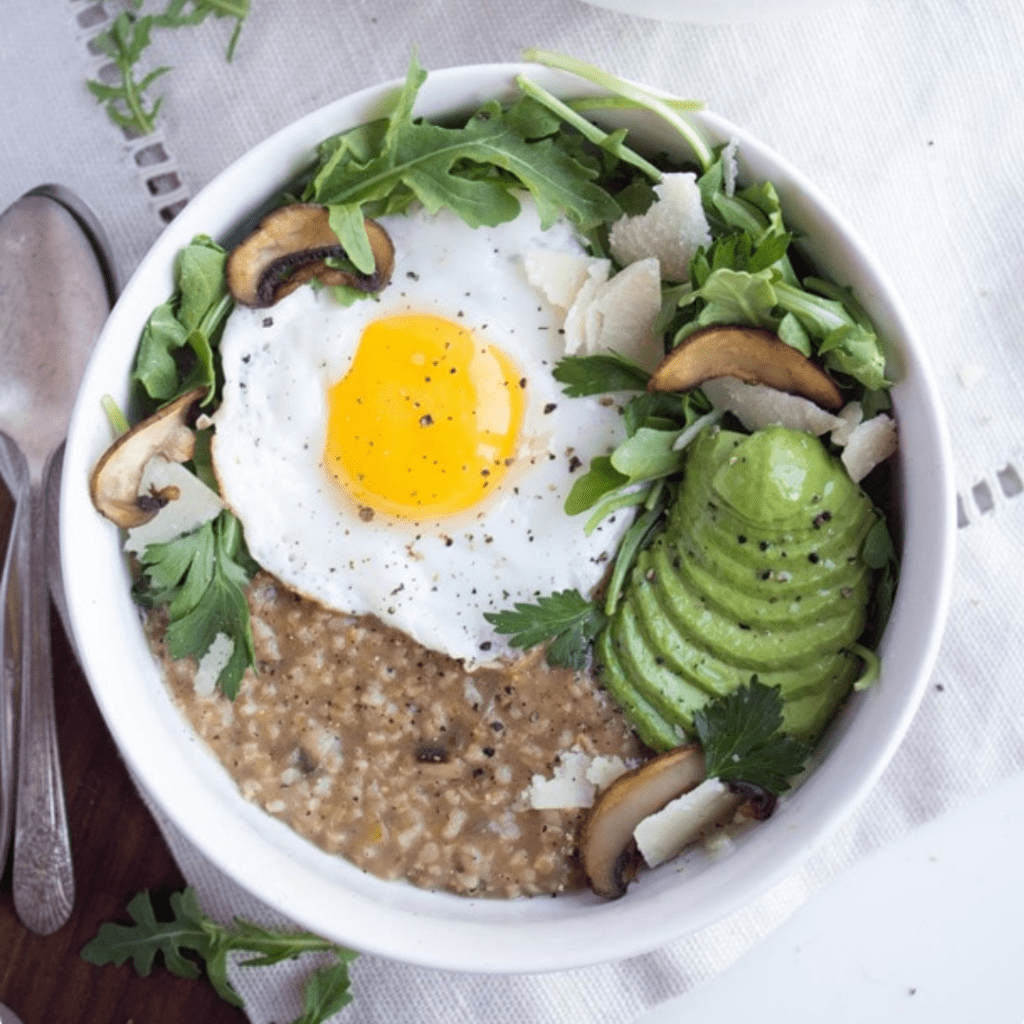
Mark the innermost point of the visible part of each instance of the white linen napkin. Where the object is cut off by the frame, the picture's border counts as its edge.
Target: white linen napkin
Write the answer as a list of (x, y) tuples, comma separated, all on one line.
[(907, 115)]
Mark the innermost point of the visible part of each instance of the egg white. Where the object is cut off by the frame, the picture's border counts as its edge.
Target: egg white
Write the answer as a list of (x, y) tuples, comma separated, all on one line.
[(433, 579)]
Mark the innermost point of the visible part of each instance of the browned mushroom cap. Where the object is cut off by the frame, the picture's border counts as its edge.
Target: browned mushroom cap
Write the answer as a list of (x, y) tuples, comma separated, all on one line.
[(116, 478), (290, 247), (607, 847), (754, 355)]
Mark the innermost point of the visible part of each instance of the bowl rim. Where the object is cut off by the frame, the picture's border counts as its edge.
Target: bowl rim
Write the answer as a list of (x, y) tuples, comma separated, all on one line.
[(181, 778)]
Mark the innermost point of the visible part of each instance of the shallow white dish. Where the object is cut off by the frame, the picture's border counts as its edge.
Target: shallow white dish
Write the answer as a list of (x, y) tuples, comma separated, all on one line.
[(715, 11), (326, 894)]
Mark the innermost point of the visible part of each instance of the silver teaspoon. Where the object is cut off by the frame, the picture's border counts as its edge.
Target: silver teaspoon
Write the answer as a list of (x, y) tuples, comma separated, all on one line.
[(55, 292), (8, 1016)]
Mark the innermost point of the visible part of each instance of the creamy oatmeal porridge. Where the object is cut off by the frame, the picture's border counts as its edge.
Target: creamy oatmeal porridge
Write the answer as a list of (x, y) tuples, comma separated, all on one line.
[(396, 757)]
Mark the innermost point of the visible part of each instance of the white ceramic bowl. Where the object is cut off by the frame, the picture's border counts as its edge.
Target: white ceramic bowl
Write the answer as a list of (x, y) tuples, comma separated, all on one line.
[(726, 12), (326, 894)]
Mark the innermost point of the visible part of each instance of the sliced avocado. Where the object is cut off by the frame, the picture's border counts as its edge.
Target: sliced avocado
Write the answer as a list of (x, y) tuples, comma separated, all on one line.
[(756, 572), (654, 730)]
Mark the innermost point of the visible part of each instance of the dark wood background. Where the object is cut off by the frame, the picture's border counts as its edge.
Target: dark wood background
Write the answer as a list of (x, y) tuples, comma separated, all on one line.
[(117, 851)]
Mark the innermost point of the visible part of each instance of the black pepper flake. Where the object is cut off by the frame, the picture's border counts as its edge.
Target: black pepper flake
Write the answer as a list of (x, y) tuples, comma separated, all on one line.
[(813, 558), (820, 519), (488, 751), (550, 408), (427, 420), (268, 321), (574, 463)]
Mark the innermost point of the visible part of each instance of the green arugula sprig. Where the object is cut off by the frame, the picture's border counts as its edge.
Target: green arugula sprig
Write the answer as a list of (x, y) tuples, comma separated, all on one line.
[(202, 577), (747, 276), (192, 931), (124, 43), (741, 734), (127, 39), (176, 350)]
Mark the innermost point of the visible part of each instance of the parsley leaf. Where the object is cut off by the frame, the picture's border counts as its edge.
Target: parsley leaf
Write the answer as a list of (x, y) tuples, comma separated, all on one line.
[(599, 374), (566, 619), (743, 742), (193, 931), (201, 577)]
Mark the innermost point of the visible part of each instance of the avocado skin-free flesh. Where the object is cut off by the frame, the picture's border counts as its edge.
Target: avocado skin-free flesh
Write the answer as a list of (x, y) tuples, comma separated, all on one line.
[(757, 572)]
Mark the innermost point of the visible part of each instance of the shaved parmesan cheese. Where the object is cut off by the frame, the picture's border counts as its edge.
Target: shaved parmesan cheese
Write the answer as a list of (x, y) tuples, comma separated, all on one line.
[(576, 318), (758, 406), (576, 779), (870, 443), (212, 663), (605, 769), (672, 229), (850, 416), (192, 504), (621, 315), (567, 788), (661, 836), (559, 275)]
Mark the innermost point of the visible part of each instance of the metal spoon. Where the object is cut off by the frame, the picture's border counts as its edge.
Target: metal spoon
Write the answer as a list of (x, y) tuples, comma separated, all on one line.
[(8, 1016), (55, 292)]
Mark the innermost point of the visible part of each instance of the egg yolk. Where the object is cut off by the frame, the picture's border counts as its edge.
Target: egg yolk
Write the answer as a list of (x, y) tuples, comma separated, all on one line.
[(426, 421)]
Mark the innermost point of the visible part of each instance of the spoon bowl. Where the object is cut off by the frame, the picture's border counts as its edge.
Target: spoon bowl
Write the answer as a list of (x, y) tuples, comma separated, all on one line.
[(55, 293)]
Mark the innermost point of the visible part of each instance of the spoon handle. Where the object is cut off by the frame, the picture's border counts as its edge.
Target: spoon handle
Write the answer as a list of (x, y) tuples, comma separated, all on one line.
[(43, 883)]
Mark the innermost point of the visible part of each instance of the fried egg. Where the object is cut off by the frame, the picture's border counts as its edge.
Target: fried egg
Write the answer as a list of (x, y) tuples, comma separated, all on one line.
[(409, 456)]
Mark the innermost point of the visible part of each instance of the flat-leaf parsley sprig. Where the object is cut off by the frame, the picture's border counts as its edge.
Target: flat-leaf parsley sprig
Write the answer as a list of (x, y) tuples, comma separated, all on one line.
[(191, 933), (742, 738)]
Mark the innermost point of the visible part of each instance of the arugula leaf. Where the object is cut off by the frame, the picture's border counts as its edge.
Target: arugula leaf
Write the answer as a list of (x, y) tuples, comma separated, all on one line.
[(129, 36), (173, 16), (473, 170), (201, 577), (743, 742), (175, 351), (191, 930), (566, 619), (124, 43)]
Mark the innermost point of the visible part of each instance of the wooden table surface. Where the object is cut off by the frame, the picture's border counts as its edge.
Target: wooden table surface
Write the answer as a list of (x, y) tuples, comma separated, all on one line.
[(117, 851)]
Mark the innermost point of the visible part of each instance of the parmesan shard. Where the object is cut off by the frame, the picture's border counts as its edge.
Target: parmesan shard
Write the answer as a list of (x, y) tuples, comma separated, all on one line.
[(567, 788), (190, 504), (757, 406), (559, 275), (621, 316), (576, 317), (672, 229), (850, 416), (666, 833), (870, 443)]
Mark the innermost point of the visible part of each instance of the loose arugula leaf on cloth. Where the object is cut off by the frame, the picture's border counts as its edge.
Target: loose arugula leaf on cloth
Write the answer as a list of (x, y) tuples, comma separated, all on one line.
[(566, 620), (130, 35), (741, 734), (124, 43), (176, 16), (201, 577), (175, 351), (192, 931)]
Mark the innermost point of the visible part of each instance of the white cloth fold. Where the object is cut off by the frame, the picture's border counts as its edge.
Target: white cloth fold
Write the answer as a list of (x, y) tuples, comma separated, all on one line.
[(907, 115)]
